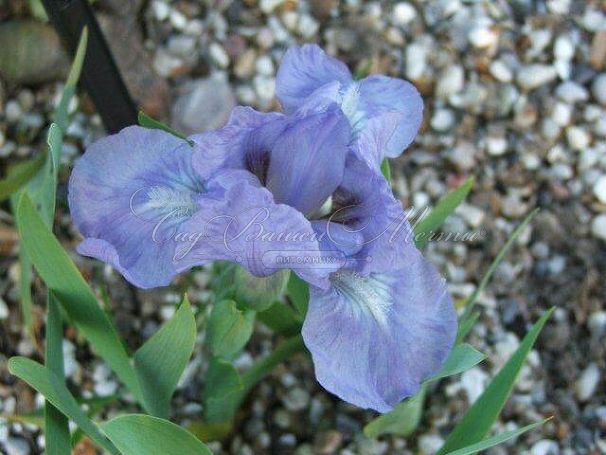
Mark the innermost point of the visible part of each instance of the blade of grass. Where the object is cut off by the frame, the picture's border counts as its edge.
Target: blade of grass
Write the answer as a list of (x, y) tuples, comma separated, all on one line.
[(147, 122), (54, 390), (478, 420), (136, 434), (496, 440), (440, 212), (160, 362), (75, 296), (20, 174), (495, 263), (56, 429)]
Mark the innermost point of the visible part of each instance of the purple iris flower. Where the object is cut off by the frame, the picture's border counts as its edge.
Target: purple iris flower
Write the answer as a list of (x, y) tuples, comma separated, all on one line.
[(379, 108), (274, 191)]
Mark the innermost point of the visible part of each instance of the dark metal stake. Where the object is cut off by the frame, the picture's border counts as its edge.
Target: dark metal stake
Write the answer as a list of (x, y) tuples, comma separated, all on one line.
[(100, 75)]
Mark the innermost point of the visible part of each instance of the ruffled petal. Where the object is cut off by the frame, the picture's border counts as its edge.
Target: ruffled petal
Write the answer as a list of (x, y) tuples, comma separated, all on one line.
[(306, 163), (380, 95), (364, 204), (304, 70), (374, 339), (247, 226), (243, 142), (126, 193)]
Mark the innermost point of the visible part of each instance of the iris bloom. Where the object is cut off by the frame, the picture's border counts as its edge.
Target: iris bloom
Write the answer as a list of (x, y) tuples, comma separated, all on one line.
[(274, 191), (378, 107)]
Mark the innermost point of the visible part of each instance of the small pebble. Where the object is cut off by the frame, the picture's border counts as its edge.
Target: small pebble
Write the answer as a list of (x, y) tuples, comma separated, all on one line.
[(533, 76), (587, 382), (599, 189), (545, 447), (403, 13), (578, 138), (597, 321), (598, 89), (598, 226)]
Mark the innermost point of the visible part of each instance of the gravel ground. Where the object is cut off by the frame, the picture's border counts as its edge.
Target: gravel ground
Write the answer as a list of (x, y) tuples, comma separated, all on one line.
[(515, 95)]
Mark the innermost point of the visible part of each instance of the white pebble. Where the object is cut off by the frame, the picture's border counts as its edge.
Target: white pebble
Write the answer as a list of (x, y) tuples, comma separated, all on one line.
[(308, 26), (571, 92), (218, 55), (429, 444), (596, 323), (598, 88), (265, 87), (500, 71), (161, 10), (559, 6), (416, 61), (563, 48), (264, 66), (533, 76), (178, 20), (403, 13), (496, 146), (4, 313), (473, 382), (442, 120), (16, 446), (482, 37), (598, 226), (599, 189), (545, 447), (586, 384), (562, 114), (267, 6), (577, 137), (451, 81), (13, 111)]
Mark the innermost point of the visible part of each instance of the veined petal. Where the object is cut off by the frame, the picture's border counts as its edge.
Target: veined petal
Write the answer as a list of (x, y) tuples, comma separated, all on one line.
[(374, 339), (243, 142), (308, 159), (247, 226), (364, 204), (304, 70), (380, 95), (126, 193)]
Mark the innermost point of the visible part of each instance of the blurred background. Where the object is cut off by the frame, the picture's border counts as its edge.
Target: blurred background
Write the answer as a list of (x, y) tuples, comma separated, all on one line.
[(515, 95)]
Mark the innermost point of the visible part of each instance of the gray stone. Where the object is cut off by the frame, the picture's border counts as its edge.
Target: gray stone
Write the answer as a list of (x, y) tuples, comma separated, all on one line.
[(204, 104)]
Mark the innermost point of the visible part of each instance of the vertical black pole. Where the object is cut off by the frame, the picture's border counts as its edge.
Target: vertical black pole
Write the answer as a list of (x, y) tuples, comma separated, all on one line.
[(100, 75)]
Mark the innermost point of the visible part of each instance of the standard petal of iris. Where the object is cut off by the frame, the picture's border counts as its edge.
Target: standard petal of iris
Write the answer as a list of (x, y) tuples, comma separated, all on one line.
[(304, 70), (244, 140), (308, 160), (247, 226), (380, 95), (128, 195), (374, 339)]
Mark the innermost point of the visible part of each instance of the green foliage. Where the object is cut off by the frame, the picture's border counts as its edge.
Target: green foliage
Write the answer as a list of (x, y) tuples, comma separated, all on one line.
[(461, 358), (298, 293), (57, 431), (160, 362), (480, 417), (259, 293), (440, 212), (20, 174), (147, 122), (77, 299), (54, 390), (229, 329), (223, 389), (495, 263), (496, 440), (281, 318), (137, 434), (386, 170), (403, 420)]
